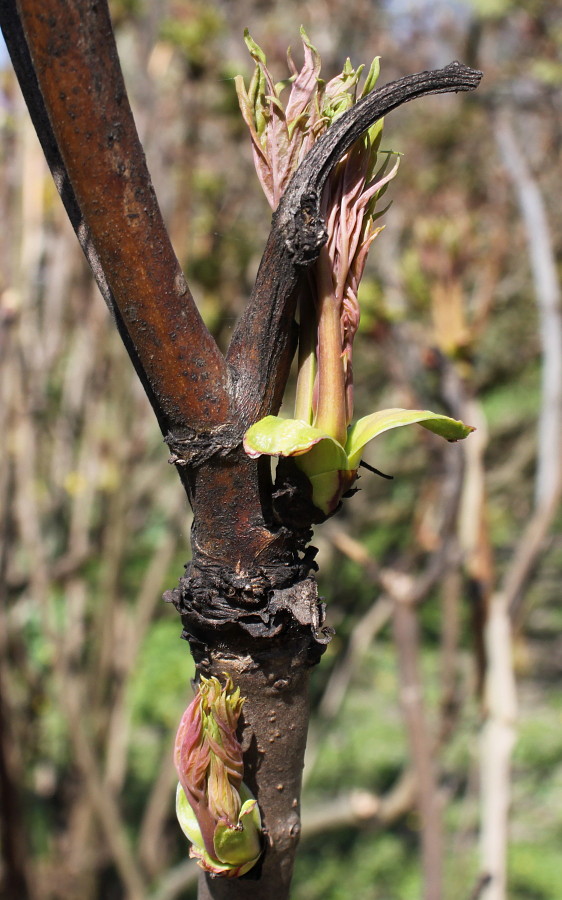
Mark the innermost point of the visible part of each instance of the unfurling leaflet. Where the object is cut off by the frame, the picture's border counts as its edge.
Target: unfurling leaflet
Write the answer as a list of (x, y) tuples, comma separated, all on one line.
[(215, 809)]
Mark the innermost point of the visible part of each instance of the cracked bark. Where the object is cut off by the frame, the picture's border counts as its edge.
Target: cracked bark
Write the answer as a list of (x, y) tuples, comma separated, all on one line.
[(248, 600)]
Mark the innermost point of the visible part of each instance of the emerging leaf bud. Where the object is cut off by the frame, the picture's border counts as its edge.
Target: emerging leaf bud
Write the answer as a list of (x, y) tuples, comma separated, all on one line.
[(215, 809)]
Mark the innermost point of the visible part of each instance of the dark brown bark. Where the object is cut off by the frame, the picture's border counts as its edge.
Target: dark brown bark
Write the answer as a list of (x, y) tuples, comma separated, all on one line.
[(248, 603)]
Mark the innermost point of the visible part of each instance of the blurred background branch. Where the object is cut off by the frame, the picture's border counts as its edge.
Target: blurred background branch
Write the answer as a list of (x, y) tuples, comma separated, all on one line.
[(460, 310)]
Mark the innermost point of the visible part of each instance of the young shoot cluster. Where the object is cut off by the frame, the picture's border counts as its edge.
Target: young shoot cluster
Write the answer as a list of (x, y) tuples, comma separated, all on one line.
[(322, 438)]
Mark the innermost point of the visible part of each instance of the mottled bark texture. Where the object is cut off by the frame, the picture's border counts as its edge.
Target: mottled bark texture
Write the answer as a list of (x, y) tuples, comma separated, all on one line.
[(248, 600)]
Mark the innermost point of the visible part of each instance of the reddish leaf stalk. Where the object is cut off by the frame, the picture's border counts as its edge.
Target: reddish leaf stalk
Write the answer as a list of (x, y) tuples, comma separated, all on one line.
[(330, 405)]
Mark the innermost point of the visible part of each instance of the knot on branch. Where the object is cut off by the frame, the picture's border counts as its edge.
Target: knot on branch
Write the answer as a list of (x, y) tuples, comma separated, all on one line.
[(463, 77), (303, 228), (195, 447), (265, 603)]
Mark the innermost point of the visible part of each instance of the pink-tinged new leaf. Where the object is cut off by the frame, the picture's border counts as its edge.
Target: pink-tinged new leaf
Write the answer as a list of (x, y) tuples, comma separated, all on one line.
[(211, 797), (305, 84), (261, 159)]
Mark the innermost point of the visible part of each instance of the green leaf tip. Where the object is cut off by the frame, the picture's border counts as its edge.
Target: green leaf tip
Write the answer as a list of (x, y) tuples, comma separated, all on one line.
[(236, 848), (369, 427), (275, 436), (255, 50)]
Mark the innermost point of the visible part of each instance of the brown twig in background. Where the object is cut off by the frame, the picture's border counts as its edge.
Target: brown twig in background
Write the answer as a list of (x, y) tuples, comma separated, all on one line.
[(407, 641), (549, 302), (100, 797), (15, 852), (404, 595)]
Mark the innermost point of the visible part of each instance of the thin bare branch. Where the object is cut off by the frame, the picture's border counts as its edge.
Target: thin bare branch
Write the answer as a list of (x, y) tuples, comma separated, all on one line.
[(548, 485), (15, 872), (363, 633), (101, 799), (526, 555), (549, 303), (156, 812), (361, 808), (407, 640), (496, 746), (177, 880)]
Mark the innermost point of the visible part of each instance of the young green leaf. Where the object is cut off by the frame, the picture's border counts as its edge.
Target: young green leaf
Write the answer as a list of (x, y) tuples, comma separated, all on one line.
[(369, 427)]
